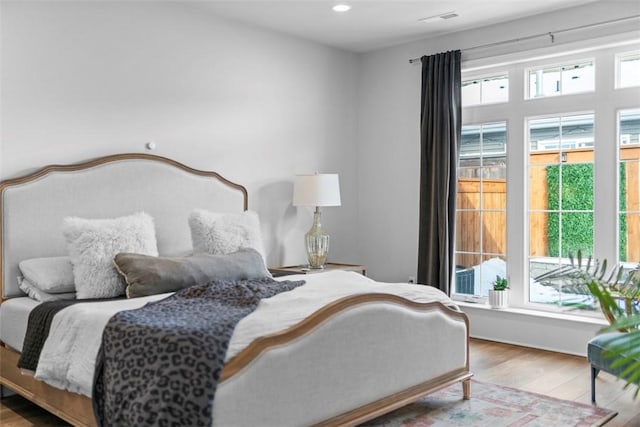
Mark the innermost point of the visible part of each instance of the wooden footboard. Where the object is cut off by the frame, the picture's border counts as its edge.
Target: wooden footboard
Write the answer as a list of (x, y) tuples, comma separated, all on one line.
[(71, 407)]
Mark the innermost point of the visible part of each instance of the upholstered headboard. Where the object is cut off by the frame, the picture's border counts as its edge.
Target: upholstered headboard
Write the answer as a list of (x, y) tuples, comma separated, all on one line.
[(32, 207)]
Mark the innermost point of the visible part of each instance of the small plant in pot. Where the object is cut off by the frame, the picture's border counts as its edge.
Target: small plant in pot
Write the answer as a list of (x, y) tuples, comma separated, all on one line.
[(499, 295)]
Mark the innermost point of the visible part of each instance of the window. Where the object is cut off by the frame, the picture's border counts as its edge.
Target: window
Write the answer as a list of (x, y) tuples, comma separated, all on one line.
[(481, 208), (629, 186), (573, 168), (560, 201), (485, 90), (561, 80), (628, 70)]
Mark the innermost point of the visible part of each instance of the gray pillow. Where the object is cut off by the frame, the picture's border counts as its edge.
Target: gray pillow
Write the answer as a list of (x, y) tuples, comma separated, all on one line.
[(38, 294), (148, 275), (53, 275)]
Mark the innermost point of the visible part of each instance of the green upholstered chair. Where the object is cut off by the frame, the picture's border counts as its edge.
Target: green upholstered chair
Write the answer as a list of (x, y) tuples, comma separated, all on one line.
[(599, 361)]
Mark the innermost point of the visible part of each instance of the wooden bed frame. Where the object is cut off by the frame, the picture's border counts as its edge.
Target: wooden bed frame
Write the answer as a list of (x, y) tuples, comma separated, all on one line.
[(77, 409)]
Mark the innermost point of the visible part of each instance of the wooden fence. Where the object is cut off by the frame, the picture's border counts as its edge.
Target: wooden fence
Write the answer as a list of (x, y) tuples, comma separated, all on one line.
[(494, 203)]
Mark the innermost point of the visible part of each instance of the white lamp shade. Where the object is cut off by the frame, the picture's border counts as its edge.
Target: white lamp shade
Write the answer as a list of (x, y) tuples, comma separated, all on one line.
[(316, 190)]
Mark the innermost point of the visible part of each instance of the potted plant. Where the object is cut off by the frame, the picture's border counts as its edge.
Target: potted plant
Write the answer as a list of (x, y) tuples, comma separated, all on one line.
[(499, 295)]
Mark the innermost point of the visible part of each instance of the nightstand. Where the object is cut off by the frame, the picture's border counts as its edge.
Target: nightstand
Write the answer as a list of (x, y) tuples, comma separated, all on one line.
[(303, 269)]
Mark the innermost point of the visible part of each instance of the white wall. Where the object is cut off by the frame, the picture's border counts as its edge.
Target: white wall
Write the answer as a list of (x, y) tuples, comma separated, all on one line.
[(85, 79), (389, 118)]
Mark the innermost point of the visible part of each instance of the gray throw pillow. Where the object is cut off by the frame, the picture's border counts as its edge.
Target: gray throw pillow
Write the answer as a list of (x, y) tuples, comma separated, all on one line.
[(148, 275)]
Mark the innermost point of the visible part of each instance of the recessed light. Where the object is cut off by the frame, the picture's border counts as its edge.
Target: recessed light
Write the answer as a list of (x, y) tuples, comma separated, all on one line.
[(341, 8)]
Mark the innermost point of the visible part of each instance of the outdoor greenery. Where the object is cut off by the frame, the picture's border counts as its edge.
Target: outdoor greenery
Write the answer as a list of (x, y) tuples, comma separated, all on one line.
[(577, 194), (618, 293), (622, 240), (574, 189)]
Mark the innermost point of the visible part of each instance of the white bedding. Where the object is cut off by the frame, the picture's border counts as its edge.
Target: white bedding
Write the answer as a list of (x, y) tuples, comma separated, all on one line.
[(68, 357)]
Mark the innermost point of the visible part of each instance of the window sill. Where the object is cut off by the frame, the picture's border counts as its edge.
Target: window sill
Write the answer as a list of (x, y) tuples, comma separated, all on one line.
[(559, 332), (536, 313)]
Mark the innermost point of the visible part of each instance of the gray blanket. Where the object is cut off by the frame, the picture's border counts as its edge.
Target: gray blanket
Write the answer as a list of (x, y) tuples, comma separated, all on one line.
[(38, 328), (159, 365)]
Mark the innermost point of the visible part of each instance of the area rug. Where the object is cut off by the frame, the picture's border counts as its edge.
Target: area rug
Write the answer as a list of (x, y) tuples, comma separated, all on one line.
[(495, 406)]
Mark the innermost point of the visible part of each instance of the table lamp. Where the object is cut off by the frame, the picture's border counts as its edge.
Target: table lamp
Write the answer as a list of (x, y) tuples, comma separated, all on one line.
[(321, 189)]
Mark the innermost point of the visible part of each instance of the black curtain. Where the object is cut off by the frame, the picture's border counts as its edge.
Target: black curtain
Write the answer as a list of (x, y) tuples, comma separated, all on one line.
[(440, 126)]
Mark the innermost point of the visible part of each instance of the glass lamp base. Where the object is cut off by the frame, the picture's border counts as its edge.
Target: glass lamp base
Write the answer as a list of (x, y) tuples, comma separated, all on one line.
[(317, 243)]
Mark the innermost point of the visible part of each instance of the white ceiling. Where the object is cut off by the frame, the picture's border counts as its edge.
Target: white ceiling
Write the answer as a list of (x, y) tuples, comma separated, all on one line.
[(371, 24)]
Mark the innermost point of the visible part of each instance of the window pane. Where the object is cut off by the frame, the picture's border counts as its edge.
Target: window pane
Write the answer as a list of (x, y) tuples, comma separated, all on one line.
[(494, 238), (630, 238), (578, 78), (629, 128), (481, 207), (576, 235), (538, 197), (494, 139), (560, 201), (495, 168), (465, 274), (539, 225), (494, 195), (577, 186), (629, 70), (550, 82), (470, 143), (544, 134), (467, 236), (577, 131), (495, 89), (486, 90), (470, 92), (629, 188)]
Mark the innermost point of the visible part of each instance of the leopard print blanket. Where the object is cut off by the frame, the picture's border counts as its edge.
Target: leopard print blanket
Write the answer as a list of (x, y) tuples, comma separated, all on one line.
[(159, 365)]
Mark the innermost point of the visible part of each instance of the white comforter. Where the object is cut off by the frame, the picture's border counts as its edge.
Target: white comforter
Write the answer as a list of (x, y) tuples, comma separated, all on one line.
[(69, 354)]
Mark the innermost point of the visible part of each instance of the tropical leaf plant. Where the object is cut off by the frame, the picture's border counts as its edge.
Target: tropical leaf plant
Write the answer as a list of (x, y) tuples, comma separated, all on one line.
[(618, 293)]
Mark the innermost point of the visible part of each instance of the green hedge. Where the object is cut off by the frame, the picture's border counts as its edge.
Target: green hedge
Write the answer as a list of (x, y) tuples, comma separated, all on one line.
[(622, 238), (577, 194)]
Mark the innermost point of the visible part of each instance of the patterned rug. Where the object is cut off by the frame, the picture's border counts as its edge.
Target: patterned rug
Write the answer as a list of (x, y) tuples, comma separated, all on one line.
[(494, 406)]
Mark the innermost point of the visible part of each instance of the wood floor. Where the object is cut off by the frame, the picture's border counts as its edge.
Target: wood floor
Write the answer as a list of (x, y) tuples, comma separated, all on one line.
[(553, 374)]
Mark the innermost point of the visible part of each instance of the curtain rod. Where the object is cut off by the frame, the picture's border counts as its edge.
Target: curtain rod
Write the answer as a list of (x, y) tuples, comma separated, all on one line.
[(550, 34)]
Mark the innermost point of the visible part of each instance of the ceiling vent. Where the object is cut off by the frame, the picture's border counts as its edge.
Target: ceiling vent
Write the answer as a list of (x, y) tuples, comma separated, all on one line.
[(449, 15), (440, 16)]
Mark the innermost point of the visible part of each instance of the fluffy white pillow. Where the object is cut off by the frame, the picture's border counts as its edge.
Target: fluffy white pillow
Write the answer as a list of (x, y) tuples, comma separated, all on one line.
[(93, 243), (224, 233)]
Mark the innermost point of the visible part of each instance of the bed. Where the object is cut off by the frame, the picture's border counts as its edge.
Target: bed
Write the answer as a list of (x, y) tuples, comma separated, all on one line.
[(321, 370)]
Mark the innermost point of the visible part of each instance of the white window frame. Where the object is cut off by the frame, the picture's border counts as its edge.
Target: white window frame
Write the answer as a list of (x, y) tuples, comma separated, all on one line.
[(556, 64), (605, 102)]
